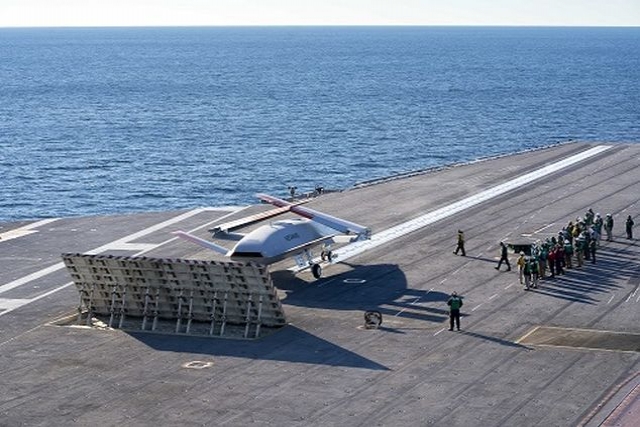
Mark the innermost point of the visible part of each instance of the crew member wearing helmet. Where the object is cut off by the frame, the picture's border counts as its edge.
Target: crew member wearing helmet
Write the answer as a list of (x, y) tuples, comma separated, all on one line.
[(460, 246), (608, 227)]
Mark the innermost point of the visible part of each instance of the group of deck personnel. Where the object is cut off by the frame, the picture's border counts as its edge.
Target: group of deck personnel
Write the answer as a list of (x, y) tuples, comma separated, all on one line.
[(575, 244)]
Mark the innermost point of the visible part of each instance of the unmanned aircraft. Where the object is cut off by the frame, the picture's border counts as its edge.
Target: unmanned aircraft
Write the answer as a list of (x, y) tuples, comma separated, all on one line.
[(294, 237)]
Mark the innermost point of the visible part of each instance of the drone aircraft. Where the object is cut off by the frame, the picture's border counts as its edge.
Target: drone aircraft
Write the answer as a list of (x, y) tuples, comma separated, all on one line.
[(294, 237)]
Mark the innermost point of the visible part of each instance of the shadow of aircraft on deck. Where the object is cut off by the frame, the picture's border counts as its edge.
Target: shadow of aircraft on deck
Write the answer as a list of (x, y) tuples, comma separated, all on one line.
[(381, 287)]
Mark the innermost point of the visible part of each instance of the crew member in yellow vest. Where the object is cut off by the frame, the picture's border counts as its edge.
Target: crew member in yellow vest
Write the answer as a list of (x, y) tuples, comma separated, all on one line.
[(520, 263), (460, 246)]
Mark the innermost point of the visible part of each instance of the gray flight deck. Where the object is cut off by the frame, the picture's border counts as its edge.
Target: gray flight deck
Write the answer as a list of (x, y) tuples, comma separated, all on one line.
[(565, 354)]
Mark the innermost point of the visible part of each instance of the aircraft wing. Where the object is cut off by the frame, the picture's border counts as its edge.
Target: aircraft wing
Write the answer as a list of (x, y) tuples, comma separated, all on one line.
[(338, 224), (252, 219), (201, 242), (233, 225)]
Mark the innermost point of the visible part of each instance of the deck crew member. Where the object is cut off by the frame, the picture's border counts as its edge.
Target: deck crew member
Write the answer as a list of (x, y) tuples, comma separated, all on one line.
[(454, 303), (608, 227), (598, 224), (503, 257), (460, 246), (526, 272), (521, 263)]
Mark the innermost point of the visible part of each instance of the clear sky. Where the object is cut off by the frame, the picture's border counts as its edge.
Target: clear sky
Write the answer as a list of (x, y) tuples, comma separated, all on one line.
[(38, 13)]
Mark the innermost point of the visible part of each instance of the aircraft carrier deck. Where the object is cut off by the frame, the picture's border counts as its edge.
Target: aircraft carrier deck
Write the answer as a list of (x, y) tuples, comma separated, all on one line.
[(567, 353)]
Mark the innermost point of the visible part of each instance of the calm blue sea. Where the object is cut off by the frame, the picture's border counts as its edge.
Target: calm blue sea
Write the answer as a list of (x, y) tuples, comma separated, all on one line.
[(97, 121)]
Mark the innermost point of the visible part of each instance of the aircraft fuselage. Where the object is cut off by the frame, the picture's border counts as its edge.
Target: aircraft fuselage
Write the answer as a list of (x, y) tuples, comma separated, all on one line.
[(273, 242)]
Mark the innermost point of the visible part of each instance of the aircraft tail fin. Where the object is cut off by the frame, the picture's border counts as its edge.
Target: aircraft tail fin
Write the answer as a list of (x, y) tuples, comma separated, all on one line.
[(201, 242)]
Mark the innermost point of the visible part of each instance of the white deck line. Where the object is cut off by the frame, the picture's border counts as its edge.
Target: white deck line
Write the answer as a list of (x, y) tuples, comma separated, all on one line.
[(118, 243), (113, 245), (454, 208), (33, 276), (38, 224), (10, 305), (25, 230)]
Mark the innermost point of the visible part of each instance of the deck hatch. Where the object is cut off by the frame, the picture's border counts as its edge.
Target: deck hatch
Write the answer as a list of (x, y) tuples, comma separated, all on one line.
[(582, 338)]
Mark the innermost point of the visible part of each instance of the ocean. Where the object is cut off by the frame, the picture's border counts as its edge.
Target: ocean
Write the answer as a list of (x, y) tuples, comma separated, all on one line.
[(100, 121)]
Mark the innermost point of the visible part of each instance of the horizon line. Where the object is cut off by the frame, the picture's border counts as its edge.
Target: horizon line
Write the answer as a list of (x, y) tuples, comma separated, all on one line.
[(317, 26)]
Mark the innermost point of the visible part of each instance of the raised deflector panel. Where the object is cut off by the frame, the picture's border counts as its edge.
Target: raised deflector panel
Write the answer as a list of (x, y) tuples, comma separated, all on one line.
[(194, 297)]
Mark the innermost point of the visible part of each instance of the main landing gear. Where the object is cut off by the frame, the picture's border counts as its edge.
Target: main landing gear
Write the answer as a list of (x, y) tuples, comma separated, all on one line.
[(326, 255), (316, 270)]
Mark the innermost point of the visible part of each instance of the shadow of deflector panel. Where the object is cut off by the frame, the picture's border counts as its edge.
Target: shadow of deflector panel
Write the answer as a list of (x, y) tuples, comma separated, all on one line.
[(193, 297)]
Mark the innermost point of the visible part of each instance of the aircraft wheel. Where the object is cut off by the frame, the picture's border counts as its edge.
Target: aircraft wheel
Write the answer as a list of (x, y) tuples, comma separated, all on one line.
[(316, 270)]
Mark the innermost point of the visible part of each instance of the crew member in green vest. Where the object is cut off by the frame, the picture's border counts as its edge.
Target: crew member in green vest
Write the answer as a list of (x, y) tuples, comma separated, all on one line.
[(454, 303)]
